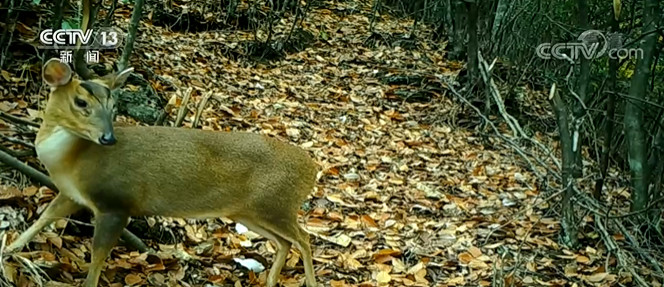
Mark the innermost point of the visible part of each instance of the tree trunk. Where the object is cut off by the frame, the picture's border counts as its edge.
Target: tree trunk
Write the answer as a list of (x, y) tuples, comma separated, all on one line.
[(472, 63), (89, 13), (110, 12), (6, 39), (582, 91), (501, 12), (418, 15), (131, 35), (449, 19), (458, 40), (374, 10), (568, 222), (634, 133), (610, 115), (655, 159)]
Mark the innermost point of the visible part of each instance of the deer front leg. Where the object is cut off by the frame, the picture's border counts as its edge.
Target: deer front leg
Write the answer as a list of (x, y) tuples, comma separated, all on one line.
[(108, 227), (61, 207)]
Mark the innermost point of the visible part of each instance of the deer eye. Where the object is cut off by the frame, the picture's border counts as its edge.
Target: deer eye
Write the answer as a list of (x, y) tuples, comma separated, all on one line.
[(80, 103)]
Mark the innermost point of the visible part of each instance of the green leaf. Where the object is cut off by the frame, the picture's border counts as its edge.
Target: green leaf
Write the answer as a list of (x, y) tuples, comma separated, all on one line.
[(36, 2), (69, 24)]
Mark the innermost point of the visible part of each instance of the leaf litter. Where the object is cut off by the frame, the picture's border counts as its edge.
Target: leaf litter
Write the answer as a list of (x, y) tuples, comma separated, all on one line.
[(404, 197)]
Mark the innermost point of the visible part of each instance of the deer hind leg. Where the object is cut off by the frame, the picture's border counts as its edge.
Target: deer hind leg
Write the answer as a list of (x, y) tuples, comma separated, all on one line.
[(283, 247), (285, 232), (61, 207), (302, 243)]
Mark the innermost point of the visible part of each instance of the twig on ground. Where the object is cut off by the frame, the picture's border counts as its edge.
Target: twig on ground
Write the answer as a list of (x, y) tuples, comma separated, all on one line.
[(18, 120), (594, 206), (523, 210), (485, 71), (518, 150), (612, 247), (638, 249), (493, 90), (17, 153), (17, 141)]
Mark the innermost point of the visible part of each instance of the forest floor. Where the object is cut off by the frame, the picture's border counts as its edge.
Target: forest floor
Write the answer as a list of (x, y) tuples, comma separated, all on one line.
[(405, 195)]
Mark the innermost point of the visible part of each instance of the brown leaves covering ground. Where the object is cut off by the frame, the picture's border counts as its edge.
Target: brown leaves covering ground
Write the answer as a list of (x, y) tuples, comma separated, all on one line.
[(403, 199)]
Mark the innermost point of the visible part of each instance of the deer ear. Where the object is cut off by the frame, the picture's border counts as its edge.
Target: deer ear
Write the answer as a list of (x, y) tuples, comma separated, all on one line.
[(56, 73), (117, 80)]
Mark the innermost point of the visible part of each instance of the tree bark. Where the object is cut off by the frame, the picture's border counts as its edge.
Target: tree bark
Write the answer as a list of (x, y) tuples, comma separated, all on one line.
[(374, 10), (634, 132), (472, 64), (568, 222), (131, 35), (582, 91), (610, 115), (89, 12), (656, 166), (501, 12), (418, 15), (7, 34), (110, 12), (457, 11)]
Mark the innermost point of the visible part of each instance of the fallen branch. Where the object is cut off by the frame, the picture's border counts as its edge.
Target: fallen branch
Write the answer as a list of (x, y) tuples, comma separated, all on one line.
[(485, 70), (645, 255), (17, 154), (612, 247), (129, 238), (594, 206), (18, 120), (17, 141), (507, 140)]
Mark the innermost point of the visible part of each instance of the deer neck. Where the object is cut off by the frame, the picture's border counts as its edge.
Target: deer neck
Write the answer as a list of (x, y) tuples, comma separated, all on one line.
[(57, 148)]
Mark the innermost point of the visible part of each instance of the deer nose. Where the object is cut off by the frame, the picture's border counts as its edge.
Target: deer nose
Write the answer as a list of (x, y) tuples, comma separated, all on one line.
[(107, 139)]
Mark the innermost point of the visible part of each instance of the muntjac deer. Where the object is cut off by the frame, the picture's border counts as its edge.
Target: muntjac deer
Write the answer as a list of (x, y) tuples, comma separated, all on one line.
[(130, 171)]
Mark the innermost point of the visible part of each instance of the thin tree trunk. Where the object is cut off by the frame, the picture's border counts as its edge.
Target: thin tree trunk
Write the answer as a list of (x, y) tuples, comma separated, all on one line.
[(89, 11), (501, 11), (232, 8), (374, 10), (458, 40), (418, 14), (57, 14), (568, 222), (6, 39), (656, 167), (449, 19), (634, 133), (610, 115), (111, 11), (131, 37), (56, 23), (473, 66), (582, 91), (658, 53)]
